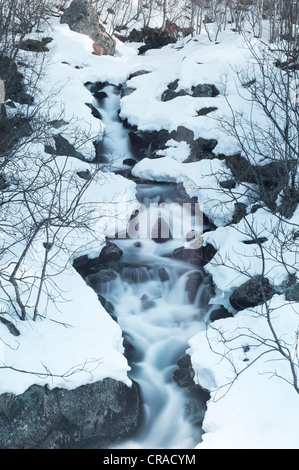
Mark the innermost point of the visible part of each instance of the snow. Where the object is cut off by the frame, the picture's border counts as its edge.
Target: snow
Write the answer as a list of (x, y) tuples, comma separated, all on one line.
[(80, 343), (259, 410)]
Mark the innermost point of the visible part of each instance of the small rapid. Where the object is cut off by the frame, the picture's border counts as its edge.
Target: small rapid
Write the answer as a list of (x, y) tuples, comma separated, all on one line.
[(158, 306)]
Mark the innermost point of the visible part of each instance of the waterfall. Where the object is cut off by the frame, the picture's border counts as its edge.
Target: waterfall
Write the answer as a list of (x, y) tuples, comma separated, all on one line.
[(153, 306)]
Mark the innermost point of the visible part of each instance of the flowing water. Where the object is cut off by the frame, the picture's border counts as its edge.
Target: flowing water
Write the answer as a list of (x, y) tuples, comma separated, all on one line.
[(157, 309)]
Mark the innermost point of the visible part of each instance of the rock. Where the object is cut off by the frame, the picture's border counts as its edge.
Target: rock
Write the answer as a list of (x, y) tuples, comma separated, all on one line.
[(100, 95), (83, 18), (168, 95), (241, 169), (256, 241), (10, 326), (163, 274), (252, 293), (84, 175), (145, 143), (34, 45), (65, 148), (94, 414), (125, 90), (192, 285), (173, 85), (206, 145), (138, 73), (205, 91), (199, 257), (228, 184), (94, 111), (15, 89), (111, 253), (239, 213), (184, 377), (184, 362), (292, 293), (129, 162), (97, 49), (12, 130), (147, 303), (219, 313), (182, 134), (205, 111)]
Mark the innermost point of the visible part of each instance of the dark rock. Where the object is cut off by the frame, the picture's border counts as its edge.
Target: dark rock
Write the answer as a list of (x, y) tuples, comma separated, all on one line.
[(206, 145), (192, 285), (182, 134), (58, 123), (183, 377), (83, 18), (219, 313), (205, 91), (35, 45), (256, 241), (205, 111), (125, 90), (153, 38), (252, 293), (10, 326), (132, 352), (100, 95), (138, 73), (292, 293), (184, 362), (129, 162), (147, 303), (163, 274), (84, 175), (65, 148), (109, 307), (145, 143), (241, 169), (10, 104), (13, 79), (168, 95), (228, 184), (239, 213), (199, 257), (173, 85), (12, 130), (111, 253), (94, 111)]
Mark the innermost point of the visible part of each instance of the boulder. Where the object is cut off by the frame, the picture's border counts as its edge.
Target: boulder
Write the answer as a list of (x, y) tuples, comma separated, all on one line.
[(163, 274), (34, 45), (111, 253), (198, 257), (94, 414), (63, 147), (219, 313), (192, 285), (252, 293), (83, 18)]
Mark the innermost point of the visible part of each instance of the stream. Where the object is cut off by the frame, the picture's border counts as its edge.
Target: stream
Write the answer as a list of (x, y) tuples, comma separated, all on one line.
[(159, 303)]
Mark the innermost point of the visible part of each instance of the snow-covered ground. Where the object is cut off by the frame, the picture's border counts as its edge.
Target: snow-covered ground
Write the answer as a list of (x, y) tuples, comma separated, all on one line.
[(260, 409)]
